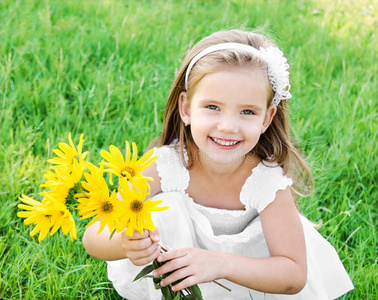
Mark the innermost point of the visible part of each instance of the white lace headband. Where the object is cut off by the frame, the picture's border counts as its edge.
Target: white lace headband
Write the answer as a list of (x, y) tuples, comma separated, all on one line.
[(277, 66)]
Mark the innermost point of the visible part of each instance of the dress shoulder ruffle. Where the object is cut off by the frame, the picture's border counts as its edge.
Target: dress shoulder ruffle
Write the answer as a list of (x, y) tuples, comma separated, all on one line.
[(261, 187), (172, 172)]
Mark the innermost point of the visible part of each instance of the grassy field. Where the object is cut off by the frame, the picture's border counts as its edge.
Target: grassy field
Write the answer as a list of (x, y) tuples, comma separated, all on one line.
[(104, 68)]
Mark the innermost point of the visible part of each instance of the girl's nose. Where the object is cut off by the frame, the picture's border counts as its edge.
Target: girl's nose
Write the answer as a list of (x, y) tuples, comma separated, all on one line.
[(228, 124)]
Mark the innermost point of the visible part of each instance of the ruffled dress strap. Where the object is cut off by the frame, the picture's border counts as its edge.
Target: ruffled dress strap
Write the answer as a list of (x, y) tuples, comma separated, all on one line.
[(174, 176), (261, 187)]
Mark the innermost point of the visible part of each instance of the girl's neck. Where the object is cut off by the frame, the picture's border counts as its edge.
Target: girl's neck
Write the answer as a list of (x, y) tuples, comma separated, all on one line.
[(219, 186)]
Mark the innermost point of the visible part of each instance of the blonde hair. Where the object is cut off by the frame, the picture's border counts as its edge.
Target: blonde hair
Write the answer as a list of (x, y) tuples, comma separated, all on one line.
[(275, 144)]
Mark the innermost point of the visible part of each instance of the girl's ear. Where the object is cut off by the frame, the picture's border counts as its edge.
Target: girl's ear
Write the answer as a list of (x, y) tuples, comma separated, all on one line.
[(184, 107), (270, 113)]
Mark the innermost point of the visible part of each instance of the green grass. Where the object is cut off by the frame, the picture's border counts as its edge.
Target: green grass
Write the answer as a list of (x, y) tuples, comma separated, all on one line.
[(104, 68)]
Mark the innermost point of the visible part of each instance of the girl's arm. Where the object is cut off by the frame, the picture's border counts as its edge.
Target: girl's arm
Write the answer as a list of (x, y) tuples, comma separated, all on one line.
[(140, 249), (285, 271)]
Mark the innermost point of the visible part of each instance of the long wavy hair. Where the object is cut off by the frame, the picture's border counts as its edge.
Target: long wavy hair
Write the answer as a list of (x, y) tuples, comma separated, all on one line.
[(275, 145)]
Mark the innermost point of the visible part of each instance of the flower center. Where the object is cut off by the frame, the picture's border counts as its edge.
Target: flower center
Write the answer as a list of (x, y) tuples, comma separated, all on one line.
[(107, 207), (128, 172), (136, 205)]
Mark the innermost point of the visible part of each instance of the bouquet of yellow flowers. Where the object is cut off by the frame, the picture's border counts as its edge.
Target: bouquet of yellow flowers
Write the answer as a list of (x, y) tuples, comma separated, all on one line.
[(65, 191), (125, 208)]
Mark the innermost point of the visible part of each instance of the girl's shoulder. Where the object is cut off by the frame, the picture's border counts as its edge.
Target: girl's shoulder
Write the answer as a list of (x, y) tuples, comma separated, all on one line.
[(155, 184), (170, 168), (261, 186), (166, 157), (170, 153)]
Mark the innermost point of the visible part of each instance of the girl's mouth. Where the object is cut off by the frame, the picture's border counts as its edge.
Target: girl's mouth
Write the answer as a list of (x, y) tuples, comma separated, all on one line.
[(224, 143)]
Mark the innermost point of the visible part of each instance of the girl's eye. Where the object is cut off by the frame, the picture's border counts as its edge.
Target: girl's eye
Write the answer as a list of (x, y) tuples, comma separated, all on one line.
[(247, 112), (212, 107)]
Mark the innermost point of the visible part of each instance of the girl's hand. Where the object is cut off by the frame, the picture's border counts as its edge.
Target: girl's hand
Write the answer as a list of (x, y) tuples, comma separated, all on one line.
[(191, 264), (141, 249)]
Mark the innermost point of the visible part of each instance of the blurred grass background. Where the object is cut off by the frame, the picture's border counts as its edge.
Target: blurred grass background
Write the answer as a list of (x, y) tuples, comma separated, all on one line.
[(104, 68)]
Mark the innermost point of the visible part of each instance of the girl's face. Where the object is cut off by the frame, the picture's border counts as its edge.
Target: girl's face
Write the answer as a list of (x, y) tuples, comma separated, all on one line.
[(227, 113)]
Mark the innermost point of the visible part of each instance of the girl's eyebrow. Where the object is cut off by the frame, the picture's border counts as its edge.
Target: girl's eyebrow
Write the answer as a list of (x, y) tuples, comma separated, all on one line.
[(206, 101), (255, 108)]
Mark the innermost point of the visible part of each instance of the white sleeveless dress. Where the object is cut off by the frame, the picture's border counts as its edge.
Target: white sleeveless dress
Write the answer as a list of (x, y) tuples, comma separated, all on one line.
[(187, 224)]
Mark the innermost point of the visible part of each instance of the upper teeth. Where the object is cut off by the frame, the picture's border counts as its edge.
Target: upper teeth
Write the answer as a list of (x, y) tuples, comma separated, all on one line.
[(224, 143)]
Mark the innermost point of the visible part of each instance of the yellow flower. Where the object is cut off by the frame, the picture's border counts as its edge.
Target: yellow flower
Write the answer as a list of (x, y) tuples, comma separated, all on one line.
[(57, 202), (46, 215), (136, 210), (128, 168), (50, 213), (62, 194), (68, 154), (63, 219), (95, 201), (94, 181), (94, 184), (65, 177), (103, 207), (36, 213), (63, 185)]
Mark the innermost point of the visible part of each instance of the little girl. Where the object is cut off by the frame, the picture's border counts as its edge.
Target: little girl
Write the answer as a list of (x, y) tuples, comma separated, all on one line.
[(225, 167)]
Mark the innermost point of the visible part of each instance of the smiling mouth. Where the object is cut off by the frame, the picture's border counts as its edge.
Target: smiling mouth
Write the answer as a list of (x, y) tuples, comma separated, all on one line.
[(224, 142)]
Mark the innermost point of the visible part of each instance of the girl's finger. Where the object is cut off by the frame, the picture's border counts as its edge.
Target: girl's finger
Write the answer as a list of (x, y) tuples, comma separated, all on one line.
[(187, 282), (140, 258), (172, 254), (171, 265), (140, 245), (177, 275), (137, 235), (135, 244)]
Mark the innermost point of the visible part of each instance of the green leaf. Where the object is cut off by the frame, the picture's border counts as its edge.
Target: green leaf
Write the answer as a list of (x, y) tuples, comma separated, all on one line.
[(157, 286), (146, 270), (166, 293), (177, 297), (196, 291), (156, 281)]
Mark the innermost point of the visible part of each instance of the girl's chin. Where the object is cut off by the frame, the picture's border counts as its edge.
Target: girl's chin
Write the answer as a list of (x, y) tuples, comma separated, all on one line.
[(224, 157)]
